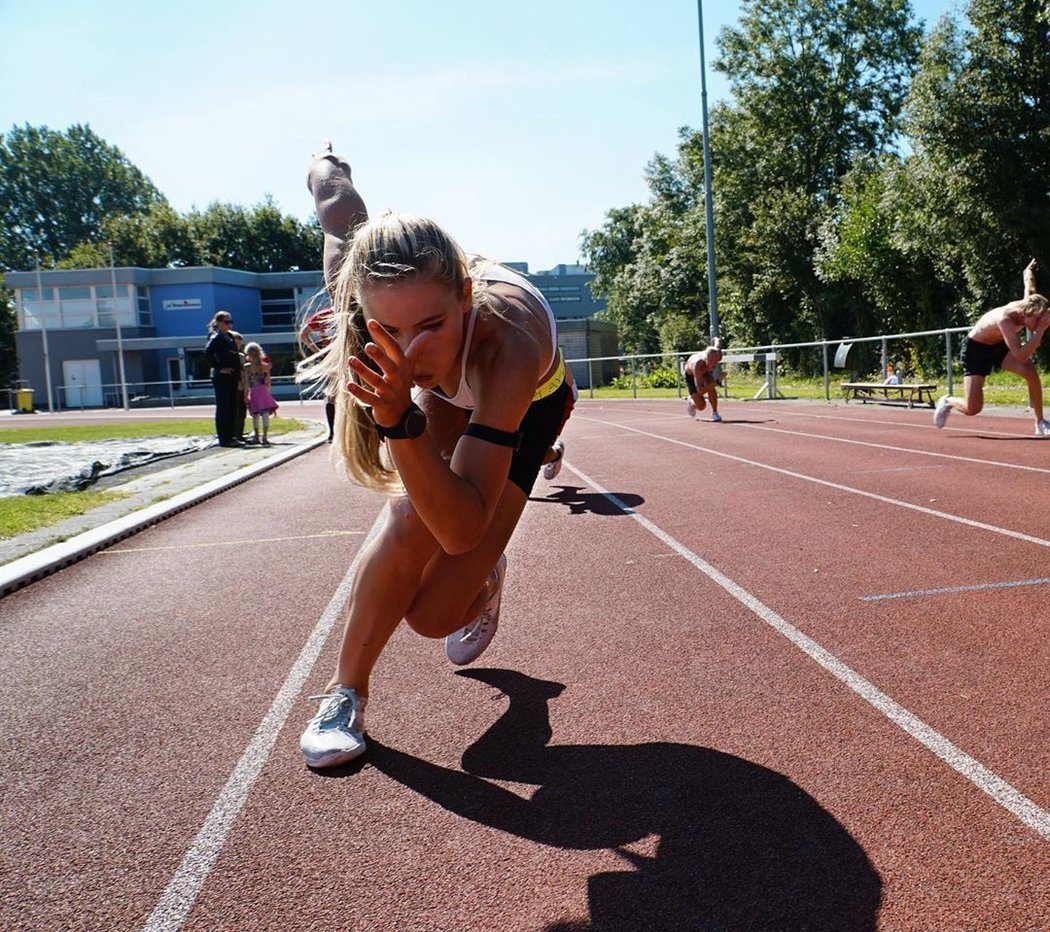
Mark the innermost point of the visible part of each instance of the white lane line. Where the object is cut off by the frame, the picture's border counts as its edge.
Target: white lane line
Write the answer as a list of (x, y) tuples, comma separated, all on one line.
[(969, 522), (883, 446), (773, 410), (984, 779), (923, 425), (949, 590), (181, 893)]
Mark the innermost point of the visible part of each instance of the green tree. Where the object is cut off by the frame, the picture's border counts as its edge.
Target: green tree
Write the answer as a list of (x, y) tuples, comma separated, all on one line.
[(8, 326), (57, 188), (979, 120), (156, 238), (816, 84), (650, 260), (258, 240), (612, 254), (868, 254)]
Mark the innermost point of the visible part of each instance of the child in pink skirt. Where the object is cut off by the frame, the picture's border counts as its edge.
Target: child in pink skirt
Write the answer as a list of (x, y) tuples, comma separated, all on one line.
[(257, 391)]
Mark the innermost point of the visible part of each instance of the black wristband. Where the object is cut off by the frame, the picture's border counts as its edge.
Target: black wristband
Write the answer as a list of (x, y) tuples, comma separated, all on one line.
[(502, 438), (412, 424)]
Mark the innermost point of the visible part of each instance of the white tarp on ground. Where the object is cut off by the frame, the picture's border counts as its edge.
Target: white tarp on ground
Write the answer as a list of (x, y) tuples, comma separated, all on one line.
[(37, 468)]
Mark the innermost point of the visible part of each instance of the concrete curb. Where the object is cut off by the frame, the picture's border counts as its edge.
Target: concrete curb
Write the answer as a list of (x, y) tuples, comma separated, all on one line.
[(28, 569)]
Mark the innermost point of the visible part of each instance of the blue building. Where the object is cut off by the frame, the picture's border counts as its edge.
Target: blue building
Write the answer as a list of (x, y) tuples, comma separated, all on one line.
[(75, 328)]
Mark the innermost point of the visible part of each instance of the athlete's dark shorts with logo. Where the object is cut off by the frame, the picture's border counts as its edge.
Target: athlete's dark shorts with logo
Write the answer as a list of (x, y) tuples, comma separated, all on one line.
[(980, 358)]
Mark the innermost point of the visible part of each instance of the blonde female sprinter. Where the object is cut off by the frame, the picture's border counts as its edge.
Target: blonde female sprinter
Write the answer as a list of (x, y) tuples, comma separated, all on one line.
[(479, 345)]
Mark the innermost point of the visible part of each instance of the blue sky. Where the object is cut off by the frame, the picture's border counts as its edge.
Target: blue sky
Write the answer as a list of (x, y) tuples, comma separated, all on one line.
[(516, 130)]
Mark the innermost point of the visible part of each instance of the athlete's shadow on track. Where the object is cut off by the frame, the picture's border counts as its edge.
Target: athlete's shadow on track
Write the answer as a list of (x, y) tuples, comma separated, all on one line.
[(579, 501), (743, 420), (740, 846)]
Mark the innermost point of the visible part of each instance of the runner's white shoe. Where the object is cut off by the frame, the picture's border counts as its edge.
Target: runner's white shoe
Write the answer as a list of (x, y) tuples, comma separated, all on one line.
[(690, 408), (469, 642), (335, 734), (941, 412), (551, 469), (716, 417), (1042, 428)]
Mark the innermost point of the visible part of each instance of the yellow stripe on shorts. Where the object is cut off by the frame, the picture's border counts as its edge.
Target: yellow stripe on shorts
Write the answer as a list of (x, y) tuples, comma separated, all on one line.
[(554, 382)]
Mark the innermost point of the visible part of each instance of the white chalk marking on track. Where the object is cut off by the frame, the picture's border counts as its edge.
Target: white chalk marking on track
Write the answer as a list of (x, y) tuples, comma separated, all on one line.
[(227, 543), (969, 522), (181, 893), (949, 590), (984, 779)]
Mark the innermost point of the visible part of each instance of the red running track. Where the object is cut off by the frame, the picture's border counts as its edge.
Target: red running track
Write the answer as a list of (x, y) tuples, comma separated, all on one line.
[(784, 672)]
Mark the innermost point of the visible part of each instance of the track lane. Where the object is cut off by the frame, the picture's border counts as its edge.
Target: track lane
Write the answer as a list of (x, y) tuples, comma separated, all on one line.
[(663, 675), (133, 681), (801, 547)]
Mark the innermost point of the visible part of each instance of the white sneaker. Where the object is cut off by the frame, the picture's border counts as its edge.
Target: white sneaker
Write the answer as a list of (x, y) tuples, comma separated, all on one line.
[(469, 642), (690, 408), (1042, 428), (335, 734), (551, 469), (941, 412), (716, 417)]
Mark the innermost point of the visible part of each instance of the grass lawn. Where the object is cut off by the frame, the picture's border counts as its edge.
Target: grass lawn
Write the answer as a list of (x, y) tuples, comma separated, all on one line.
[(88, 432), (22, 513)]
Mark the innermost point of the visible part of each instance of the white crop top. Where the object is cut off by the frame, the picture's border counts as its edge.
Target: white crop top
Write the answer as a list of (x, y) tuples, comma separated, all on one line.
[(464, 398)]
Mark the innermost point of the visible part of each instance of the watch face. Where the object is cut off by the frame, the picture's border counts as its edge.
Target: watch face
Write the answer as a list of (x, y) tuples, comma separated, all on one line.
[(415, 422)]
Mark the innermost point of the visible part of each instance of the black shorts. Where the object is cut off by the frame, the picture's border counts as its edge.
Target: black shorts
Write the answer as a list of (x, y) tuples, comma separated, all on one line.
[(706, 383), (980, 358), (539, 429)]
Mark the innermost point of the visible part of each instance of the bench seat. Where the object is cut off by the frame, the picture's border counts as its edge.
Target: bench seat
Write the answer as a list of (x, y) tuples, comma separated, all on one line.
[(882, 394)]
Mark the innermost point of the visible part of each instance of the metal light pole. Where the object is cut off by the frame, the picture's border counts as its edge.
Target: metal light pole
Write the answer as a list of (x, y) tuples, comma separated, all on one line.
[(116, 319), (712, 290), (43, 334)]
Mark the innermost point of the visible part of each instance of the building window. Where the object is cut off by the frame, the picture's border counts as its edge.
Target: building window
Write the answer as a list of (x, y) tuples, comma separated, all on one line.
[(278, 308), (559, 294), (145, 314), (39, 309), (77, 308), (107, 307)]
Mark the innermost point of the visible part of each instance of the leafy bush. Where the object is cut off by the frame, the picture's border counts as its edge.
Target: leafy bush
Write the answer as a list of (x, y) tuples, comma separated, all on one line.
[(662, 378)]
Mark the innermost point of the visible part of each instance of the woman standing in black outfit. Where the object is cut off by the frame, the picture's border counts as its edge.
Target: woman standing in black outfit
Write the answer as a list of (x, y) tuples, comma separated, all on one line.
[(221, 352)]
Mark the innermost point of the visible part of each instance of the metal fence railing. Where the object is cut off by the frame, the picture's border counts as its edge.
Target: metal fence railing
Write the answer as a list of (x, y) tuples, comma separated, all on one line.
[(590, 372), (158, 394), (770, 354)]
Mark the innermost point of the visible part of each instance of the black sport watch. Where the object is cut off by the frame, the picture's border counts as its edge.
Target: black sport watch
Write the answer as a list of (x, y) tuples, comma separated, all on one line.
[(412, 424)]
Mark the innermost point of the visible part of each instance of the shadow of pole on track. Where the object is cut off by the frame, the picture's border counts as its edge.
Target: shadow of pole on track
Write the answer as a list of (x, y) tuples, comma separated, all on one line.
[(740, 846), (578, 501)]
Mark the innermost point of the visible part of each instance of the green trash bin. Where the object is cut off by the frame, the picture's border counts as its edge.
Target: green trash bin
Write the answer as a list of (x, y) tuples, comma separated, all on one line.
[(24, 400)]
